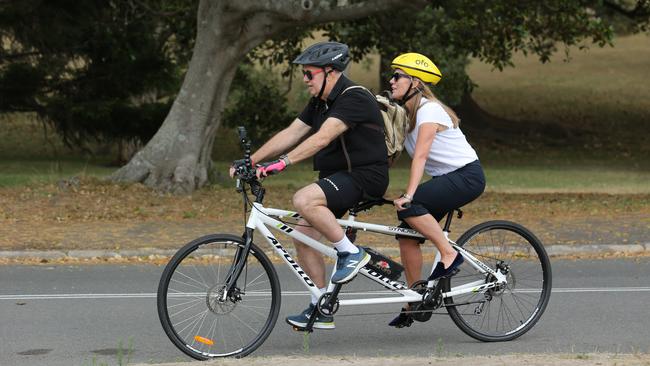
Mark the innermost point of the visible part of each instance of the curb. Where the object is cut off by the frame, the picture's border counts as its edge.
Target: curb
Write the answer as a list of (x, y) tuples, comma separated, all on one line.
[(154, 253), (86, 254)]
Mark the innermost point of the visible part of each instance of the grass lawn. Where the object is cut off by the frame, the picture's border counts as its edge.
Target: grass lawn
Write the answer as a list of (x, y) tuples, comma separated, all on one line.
[(32, 153), (507, 179), (600, 96), (610, 80), (14, 172)]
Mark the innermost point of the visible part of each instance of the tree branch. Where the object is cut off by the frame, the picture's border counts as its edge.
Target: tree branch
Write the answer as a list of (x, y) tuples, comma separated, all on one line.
[(275, 16), (640, 11), (310, 12)]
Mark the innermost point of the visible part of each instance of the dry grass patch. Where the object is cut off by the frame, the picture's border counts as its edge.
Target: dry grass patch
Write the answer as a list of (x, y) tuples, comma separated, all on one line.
[(93, 214)]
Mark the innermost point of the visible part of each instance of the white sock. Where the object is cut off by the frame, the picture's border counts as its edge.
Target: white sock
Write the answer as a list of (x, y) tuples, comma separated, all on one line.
[(345, 245), (314, 298)]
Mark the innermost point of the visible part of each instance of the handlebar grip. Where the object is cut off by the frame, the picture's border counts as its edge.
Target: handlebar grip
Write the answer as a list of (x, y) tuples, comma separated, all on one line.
[(271, 172)]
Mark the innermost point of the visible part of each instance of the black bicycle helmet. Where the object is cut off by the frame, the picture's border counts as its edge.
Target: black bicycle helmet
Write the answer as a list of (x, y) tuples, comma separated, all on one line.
[(323, 54)]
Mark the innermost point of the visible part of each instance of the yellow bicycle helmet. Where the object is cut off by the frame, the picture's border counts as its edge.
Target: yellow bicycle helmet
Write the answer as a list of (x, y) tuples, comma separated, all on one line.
[(419, 66)]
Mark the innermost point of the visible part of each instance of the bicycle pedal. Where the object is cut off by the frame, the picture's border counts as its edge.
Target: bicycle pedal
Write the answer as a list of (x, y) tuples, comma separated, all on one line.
[(301, 329)]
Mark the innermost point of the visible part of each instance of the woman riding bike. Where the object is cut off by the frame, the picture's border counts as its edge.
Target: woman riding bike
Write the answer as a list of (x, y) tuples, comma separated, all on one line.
[(438, 147)]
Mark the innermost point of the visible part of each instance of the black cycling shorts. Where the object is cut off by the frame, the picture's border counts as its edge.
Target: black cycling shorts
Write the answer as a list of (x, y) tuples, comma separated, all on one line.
[(446, 192), (345, 189)]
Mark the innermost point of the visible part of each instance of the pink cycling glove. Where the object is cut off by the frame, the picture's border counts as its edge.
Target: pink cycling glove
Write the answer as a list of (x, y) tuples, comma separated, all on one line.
[(272, 167)]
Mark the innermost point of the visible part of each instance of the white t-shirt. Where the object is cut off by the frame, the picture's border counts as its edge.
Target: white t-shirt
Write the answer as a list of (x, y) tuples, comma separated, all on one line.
[(449, 150)]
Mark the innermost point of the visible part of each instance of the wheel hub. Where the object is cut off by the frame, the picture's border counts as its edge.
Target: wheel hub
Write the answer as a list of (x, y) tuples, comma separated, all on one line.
[(215, 299), (510, 281)]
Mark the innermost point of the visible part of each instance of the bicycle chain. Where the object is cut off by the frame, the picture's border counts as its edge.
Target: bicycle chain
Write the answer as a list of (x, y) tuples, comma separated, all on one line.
[(392, 312)]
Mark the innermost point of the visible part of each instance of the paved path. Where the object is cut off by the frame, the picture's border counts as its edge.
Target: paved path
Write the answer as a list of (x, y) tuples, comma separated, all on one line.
[(74, 314), (156, 254)]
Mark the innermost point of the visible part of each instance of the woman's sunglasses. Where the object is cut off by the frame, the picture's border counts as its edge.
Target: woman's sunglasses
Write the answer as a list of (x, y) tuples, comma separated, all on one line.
[(398, 75), (310, 74)]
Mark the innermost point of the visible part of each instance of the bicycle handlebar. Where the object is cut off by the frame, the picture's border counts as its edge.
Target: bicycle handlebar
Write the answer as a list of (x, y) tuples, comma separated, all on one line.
[(245, 171)]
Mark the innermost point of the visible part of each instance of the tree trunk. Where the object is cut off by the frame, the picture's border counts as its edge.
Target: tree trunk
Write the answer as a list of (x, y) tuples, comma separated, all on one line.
[(177, 158), (126, 149)]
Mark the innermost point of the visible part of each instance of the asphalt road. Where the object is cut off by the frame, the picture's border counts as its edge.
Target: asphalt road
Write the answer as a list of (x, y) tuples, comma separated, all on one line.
[(88, 315)]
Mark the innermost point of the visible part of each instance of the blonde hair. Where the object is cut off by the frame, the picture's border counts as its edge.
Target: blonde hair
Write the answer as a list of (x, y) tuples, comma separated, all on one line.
[(425, 92)]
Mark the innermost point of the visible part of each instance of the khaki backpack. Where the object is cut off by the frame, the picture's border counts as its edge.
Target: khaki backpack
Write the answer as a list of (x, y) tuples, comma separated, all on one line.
[(396, 124)]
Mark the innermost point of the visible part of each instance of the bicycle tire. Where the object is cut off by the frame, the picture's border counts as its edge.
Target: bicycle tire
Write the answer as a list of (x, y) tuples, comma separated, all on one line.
[(194, 318), (521, 303)]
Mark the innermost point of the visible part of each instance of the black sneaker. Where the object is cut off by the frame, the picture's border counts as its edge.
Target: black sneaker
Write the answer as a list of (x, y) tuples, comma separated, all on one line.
[(441, 271), (402, 320), (321, 322)]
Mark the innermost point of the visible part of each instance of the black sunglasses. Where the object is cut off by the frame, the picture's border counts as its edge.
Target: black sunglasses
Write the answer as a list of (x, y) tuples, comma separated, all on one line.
[(310, 74), (398, 75)]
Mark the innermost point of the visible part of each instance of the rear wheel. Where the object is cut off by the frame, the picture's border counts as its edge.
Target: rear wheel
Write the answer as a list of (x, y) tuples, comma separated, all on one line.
[(202, 320), (501, 314)]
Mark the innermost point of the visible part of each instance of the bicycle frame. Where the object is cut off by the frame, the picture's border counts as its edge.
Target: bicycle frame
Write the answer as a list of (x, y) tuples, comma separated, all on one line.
[(261, 219)]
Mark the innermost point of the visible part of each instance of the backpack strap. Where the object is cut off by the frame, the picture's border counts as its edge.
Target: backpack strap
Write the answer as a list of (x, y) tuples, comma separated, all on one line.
[(368, 125), (355, 87)]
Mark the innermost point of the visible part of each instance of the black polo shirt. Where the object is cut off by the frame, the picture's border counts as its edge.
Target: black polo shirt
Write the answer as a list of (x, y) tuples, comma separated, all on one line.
[(364, 139)]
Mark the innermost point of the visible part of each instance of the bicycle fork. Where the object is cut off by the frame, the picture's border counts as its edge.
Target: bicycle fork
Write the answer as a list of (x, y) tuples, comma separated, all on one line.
[(241, 256)]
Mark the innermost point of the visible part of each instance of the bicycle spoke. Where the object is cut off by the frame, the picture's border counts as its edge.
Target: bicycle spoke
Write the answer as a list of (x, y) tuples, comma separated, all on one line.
[(185, 303), (189, 284), (255, 311), (250, 283)]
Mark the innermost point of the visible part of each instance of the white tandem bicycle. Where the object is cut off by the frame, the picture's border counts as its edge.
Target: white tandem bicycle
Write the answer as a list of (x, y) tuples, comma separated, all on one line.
[(219, 296)]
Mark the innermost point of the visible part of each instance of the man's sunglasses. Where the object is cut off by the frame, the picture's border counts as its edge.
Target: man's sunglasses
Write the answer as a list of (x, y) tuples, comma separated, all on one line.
[(310, 74), (399, 75)]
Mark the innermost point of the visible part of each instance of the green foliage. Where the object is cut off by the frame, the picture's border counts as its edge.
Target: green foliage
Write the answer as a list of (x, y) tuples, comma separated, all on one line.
[(257, 103), (103, 70), (281, 49), (451, 32)]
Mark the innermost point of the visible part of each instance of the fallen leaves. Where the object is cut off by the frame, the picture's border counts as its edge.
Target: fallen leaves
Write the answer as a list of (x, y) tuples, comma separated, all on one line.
[(95, 214)]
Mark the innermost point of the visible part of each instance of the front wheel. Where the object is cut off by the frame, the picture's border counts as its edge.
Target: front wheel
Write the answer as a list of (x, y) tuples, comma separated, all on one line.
[(506, 312), (199, 317)]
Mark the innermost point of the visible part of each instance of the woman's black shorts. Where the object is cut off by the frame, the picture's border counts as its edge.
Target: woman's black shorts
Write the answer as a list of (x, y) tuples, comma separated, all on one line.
[(446, 192)]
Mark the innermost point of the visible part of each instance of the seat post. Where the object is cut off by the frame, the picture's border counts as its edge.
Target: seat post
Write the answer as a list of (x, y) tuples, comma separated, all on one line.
[(450, 214)]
